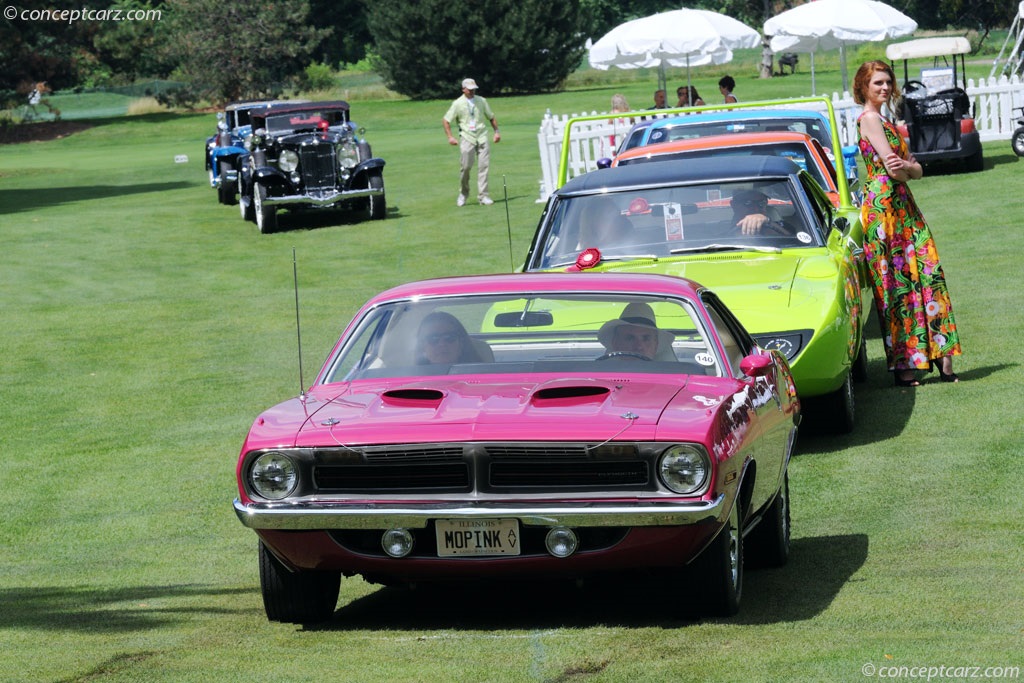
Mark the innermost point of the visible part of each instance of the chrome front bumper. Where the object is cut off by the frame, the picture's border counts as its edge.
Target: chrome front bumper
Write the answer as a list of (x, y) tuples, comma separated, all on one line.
[(326, 200), (310, 516)]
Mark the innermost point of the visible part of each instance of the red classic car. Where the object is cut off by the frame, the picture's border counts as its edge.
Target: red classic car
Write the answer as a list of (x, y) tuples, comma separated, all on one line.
[(529, 425)]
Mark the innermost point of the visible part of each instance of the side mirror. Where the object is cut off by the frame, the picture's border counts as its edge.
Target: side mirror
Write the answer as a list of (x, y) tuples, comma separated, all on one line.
[(756, 364), (604, 162)]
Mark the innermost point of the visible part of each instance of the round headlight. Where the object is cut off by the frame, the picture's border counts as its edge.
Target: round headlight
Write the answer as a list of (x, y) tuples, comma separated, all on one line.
[(561, 542), (348, 155), (273, 475), (684, 469), (288, 161), (397, 542)]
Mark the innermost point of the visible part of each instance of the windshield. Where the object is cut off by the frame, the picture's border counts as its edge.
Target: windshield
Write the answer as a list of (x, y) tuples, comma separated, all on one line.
[(664, 221), (303, 120), (473, 335), (811, 125), (797, 152)]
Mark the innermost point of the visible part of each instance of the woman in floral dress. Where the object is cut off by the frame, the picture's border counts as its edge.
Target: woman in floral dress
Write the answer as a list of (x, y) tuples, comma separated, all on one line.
[(910, 289)]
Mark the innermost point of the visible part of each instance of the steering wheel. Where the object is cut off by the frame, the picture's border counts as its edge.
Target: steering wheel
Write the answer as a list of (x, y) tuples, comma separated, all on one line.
[(623, 354), (913, 86)]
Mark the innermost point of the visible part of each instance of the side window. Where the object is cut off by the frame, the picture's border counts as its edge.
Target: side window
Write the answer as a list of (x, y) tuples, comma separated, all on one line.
[(735, 340), (820, 206)]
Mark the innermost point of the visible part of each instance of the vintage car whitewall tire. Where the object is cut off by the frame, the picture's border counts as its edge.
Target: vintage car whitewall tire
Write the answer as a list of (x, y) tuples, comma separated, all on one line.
[(377, 207), (266, 216), (296, 597)]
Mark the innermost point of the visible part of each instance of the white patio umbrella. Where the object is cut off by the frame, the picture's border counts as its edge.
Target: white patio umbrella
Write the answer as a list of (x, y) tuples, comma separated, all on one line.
[(682, 37), (831, 24)]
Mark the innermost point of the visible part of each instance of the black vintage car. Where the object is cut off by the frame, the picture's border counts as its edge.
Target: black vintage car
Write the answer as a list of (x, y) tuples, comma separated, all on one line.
[(308, 156)]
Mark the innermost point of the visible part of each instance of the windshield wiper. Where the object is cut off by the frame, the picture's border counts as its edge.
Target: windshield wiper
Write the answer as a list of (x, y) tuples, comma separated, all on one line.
[(727, 247)]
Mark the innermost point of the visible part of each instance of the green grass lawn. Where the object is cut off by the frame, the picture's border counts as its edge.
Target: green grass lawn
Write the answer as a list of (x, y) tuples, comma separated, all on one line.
[(145, 326)]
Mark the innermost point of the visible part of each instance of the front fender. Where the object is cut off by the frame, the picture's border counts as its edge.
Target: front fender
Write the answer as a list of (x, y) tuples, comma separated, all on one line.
[(365, 167), (272, 179)]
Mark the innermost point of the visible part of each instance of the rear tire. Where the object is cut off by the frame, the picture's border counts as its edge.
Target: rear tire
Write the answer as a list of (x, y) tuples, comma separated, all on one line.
[(296, 597), (840, 409), (976, 162), (768, 544), (860, 363)]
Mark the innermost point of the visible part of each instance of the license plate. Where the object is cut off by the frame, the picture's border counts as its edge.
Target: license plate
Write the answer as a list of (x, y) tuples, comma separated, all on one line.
[(477, 537)]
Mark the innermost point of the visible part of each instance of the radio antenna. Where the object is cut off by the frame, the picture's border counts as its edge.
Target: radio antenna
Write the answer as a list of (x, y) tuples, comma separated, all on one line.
[(508, 224), (298, 326)]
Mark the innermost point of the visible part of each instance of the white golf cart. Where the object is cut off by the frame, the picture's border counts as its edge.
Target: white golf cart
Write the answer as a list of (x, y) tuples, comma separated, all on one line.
[(937, 120)]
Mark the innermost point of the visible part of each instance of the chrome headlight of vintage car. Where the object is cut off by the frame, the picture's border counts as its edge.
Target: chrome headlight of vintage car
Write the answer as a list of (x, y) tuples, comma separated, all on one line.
[(348, 155), (273, 475), (288, 160), (685, 469)]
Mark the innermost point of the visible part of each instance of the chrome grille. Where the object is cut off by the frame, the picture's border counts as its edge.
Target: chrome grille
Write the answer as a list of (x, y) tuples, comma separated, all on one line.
[(319, 167), (482, 467)]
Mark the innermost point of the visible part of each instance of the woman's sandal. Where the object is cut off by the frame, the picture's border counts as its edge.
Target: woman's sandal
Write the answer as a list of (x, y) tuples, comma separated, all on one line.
[(946, 377), (912, 382)]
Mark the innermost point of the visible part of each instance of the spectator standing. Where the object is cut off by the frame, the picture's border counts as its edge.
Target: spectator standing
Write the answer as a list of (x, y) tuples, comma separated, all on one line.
[(726, 84), (470, 113), (659, 100), (910, 290)]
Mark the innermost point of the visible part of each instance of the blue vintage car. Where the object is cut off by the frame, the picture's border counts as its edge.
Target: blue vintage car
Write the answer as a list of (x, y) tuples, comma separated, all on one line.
[(701, 124), (224, 148)]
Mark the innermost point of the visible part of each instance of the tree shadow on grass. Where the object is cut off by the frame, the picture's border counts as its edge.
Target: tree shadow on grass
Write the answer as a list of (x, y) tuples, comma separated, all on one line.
[(15, 201), (110, 610), (806, 586)]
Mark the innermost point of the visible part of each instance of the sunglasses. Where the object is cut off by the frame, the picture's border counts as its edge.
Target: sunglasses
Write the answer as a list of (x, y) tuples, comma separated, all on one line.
[(446, 337)]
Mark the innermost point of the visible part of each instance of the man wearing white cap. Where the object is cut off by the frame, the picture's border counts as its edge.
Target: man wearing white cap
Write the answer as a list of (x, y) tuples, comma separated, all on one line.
[(471, 114)]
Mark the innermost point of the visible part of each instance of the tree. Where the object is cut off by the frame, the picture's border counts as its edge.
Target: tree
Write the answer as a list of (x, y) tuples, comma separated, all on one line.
[(234, 50), (425, 49)]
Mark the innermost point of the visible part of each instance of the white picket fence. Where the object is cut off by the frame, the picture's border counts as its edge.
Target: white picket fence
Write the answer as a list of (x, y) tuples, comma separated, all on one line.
[(994, 101)]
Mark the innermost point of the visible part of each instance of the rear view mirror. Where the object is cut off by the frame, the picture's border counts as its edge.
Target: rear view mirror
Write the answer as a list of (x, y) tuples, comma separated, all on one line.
[(524, 319)]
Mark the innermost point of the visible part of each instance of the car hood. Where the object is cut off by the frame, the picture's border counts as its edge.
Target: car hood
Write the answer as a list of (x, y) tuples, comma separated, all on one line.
[(768, 292), (491, 408)]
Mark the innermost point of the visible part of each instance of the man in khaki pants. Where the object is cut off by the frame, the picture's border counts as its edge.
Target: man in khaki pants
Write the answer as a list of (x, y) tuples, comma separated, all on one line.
[(471, 114)]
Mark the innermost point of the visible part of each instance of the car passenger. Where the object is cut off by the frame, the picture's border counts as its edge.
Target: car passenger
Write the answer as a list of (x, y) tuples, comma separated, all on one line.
[(635, 334), (442, 340)]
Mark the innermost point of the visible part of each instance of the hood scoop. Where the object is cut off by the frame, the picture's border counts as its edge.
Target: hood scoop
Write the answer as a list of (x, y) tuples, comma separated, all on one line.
[(412, 398), (570, 395)]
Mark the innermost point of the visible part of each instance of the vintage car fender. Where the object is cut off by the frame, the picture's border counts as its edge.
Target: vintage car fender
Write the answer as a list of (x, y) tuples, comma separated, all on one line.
[(364, 167), (271, 178)]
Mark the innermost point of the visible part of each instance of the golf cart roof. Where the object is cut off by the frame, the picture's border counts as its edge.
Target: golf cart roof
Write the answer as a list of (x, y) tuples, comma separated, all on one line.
[(928, 47)]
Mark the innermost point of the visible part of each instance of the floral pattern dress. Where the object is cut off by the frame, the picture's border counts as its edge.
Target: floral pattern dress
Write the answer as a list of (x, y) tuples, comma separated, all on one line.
[(910, 288)]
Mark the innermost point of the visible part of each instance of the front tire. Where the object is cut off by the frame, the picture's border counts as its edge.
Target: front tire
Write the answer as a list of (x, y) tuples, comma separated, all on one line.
[(266, 216), (296, 597), (377, 207), (720, 567), (860, 363), (1018, 142), (226, 190)]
